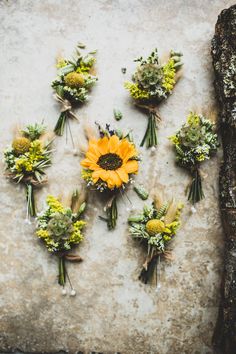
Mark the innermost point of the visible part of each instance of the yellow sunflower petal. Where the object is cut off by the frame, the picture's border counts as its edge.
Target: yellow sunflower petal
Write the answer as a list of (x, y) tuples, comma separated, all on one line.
[(122, 174), (131, 166), (115, 179), (113, 144), (100, 174), (126, 150), (94, 149), (102, 145), (92, 157), (89, 164), (123, 148), (85, 163)]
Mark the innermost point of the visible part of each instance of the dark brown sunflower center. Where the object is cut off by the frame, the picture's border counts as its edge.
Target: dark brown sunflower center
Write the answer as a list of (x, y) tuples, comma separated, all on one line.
[(110, 161)]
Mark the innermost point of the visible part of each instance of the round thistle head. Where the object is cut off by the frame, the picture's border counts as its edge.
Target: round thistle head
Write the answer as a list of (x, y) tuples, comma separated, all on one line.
[(21, 145), (155, 226), (74, 79), (191, 137), (148, 76), (60, 226)]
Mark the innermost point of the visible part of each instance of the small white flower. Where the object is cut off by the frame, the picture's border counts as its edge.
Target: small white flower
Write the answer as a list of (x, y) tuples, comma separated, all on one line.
[(63, 292), (27, 221), (66, 148), (193, 209), (153, 149), (73, 292)]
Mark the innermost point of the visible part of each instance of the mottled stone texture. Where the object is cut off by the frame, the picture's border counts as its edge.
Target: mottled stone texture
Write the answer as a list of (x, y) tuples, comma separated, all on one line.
[(113, 311), (224, 61)]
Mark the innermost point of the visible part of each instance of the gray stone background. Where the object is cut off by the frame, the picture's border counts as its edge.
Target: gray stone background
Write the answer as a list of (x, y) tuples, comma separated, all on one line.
[(113, 311)]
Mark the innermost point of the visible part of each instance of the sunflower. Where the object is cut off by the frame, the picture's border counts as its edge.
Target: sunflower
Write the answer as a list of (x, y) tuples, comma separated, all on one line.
[(111, 160)]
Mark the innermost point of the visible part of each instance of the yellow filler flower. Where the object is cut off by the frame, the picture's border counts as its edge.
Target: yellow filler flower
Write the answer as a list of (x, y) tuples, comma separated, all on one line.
[(111, 160)]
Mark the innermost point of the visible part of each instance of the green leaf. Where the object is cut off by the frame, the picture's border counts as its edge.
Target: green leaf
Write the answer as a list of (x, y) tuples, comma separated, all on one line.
[(117, 114)]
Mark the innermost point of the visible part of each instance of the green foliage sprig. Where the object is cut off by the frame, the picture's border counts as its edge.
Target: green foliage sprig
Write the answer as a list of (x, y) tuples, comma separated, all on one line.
[(74, 80), (194, 143), (60, 228), (155, 226), (151, 83), (26, 160)]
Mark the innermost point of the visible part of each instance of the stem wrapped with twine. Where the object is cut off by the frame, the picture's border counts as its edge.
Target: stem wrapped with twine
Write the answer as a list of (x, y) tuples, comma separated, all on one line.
[(151, 265), (66, 113), (150, 136), (62, 272), (195, 192)]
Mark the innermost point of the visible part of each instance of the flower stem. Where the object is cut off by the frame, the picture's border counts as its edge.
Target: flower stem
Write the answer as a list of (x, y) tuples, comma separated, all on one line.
[(112, 214), (60, 126), (61, 271), (158, 274), (150, 136), (31, 210), (196, 192), (147, 272)]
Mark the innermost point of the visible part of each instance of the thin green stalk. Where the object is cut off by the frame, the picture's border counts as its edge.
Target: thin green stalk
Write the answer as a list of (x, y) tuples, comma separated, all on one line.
[(112, 214), (150, 136), (61, 271), (196, 193), (31, 210), (60, 126)]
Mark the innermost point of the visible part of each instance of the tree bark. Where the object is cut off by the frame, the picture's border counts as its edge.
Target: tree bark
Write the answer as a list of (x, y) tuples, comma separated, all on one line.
[(224, 63)]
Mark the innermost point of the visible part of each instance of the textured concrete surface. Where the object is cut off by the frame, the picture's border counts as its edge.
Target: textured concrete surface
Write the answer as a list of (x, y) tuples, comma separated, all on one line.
[(112, 311)]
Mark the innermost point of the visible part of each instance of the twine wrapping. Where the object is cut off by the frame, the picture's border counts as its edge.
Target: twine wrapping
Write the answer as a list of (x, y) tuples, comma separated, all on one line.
[(65, 106)]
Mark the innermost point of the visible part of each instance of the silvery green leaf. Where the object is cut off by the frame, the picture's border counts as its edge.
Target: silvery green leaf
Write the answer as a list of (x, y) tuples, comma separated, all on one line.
[(117, 114), (136, 218), (141, 191), (66, 70)]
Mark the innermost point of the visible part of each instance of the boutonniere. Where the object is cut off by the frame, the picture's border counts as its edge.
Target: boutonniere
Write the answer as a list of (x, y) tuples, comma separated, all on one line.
[(60, 229), (155, 227), (108, 167), (194, 143), (74, 80), (26, 160), (153, 82)]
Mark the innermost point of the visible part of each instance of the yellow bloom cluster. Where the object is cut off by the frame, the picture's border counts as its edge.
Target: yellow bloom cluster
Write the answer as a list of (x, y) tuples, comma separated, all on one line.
[(76, 235), (61, 63), (86, 175), (36, 150), (174, 139), (136, 92), (54, 204), (74, 79), (169, 74), (21, 145), (174, 225), (154, 226), (42, 233), (83, 68), (193, 119), (26, 161), (201, 157), (23, 164)]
